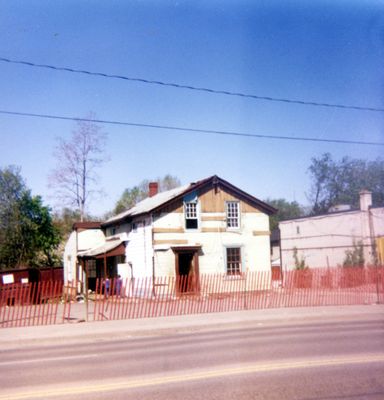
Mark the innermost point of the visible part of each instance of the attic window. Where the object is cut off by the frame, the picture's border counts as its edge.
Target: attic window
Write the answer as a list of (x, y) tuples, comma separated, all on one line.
[(233, 214), (190, 211)]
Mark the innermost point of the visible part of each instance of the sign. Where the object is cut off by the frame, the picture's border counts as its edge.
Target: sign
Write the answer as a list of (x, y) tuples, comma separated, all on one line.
[(7, 279)]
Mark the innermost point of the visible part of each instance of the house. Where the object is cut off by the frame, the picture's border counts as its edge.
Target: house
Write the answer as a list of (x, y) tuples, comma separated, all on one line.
[(205, 227), (84, 236), (324, 240)]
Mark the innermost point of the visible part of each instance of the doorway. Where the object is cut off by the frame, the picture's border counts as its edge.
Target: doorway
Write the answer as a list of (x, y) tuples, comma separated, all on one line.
[(187, 269), (185, 263)]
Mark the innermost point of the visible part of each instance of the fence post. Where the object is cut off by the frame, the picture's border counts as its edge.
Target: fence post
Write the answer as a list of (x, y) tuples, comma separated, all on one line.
[(377, 283), (245, 290)]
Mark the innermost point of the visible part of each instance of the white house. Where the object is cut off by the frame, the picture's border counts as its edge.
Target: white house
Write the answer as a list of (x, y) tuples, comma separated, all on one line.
[(323, 240), (205, 227), (84, 236)]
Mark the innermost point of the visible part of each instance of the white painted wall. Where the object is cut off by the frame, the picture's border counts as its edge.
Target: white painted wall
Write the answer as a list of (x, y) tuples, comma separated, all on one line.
[(139, 249), (79, 241), (323, 240)]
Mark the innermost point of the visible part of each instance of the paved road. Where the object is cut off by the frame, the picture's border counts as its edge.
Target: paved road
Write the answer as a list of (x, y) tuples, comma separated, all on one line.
[(319, 359)]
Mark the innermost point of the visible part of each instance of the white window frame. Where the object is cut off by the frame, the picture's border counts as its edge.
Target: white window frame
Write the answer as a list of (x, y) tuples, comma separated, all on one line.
[(239, 269), (232, 214), (191, 212)]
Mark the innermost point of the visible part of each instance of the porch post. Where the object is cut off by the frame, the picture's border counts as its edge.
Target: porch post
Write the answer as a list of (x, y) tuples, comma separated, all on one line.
[(178, 279), (86, 288), (196, 270)]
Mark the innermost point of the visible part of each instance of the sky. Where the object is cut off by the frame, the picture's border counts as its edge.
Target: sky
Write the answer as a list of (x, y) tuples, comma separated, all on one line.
[(315, 51)]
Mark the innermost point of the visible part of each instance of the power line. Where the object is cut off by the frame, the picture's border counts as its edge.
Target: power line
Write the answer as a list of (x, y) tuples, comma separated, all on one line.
[(196, 88), (194, 130)]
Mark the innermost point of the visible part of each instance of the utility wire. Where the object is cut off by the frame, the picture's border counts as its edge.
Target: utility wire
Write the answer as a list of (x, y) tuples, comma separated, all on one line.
[(194, 130), (196, 88)]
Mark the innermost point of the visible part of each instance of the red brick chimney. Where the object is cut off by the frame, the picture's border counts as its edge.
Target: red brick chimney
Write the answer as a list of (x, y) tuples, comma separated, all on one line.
[(153, 188)]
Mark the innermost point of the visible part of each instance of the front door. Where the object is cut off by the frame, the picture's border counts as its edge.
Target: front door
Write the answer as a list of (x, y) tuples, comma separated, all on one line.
[(187, 271)]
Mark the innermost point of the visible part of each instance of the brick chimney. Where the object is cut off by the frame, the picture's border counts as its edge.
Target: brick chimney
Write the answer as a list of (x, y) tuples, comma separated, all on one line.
[(153, 188), (365, 200)]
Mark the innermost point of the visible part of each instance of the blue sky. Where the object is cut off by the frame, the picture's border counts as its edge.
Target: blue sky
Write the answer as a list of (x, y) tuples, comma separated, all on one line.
[(321, 51)]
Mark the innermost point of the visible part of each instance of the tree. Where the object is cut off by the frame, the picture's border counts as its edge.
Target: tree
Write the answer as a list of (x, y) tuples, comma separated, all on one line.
[(78, 158), (131, 196), (355, 257), (65, 219), (27, 233), (339, 182), (299, 261), (40, 235), (286, 210)]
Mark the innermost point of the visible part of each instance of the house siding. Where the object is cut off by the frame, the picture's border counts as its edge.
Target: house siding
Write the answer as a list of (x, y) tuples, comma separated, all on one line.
[(138, 252), (213, 236), (152, 248), (79, 241)]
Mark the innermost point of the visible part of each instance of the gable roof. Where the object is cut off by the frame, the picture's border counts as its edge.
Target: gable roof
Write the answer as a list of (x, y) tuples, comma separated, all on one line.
[(148, 204), (160, 200)]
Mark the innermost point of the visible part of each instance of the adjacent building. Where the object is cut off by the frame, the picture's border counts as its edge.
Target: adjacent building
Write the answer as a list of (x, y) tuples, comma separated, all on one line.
[(325, 240)]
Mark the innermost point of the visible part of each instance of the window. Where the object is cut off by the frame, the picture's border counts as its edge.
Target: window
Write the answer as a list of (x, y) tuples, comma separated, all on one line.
[(91, 268), (136, 225), (233, 214), (233, 260), (190, 211), (111, 231)]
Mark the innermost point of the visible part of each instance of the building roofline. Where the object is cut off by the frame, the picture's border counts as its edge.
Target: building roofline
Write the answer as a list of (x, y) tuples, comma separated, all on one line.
[(329, 214), (215, 181)]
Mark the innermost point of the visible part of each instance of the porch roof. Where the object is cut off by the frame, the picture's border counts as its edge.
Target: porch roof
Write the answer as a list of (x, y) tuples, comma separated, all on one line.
[(109, 248)]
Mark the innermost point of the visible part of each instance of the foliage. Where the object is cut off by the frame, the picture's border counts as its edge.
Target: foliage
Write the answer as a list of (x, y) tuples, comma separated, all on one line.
[(286, 210), (75, 178), (27, 233), (131, 196), (65, 219), (354, 257), (339, 182), (299, 262)]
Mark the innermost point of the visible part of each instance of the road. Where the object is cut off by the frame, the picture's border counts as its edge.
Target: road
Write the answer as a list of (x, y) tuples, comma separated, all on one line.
[(318, 359)]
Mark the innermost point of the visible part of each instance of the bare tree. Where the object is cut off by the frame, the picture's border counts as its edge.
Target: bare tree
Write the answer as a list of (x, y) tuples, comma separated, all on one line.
[(78, 158)]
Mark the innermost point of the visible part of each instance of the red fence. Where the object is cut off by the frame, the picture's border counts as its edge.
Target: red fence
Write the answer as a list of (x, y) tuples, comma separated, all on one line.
[(45, 303), (32, 304)]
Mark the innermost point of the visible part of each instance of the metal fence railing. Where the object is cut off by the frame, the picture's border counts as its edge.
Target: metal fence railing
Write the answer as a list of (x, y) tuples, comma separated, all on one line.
[(48, 303)]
